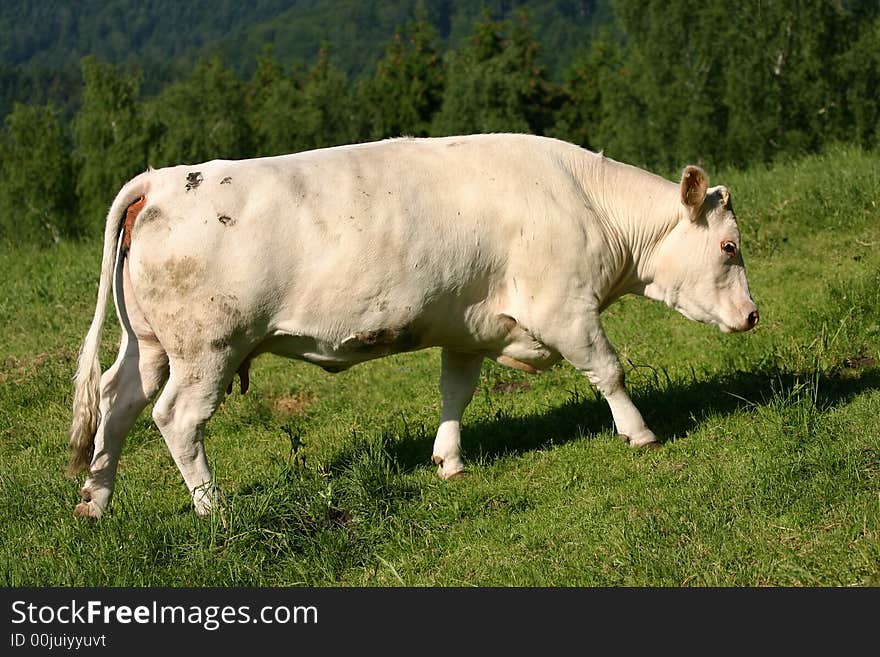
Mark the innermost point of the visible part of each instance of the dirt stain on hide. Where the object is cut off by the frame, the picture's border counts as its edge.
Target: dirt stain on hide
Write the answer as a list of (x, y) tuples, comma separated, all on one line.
[(193, 180), (225, 220), (226, 181), (182, 275), (192, 319), (174, 278), (390, 339), (150, 214), (227, 331), (220, 344), (228, 320)]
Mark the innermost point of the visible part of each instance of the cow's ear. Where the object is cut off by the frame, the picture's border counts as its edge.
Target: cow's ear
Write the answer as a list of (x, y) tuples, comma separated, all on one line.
[(694, 183)]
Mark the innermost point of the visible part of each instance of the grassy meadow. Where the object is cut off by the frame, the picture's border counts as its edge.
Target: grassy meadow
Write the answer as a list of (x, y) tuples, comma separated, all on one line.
[(769, 473)]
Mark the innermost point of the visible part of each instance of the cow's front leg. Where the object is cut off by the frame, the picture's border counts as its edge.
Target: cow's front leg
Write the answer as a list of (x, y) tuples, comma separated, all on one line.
[(592, 353), (458, 379)]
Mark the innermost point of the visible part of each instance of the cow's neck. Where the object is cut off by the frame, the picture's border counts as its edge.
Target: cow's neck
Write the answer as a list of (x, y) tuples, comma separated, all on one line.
[(637, 211)]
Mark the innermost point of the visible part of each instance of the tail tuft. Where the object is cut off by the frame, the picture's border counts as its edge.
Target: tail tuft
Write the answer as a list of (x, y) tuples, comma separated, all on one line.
[(86, 413)]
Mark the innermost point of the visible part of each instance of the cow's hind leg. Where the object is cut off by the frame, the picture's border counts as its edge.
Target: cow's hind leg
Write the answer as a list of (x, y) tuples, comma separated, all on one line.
[(189, 399), (458, 379), (126, 388)]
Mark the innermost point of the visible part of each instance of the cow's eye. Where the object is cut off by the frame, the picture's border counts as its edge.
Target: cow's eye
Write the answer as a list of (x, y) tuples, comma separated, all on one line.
[(729, 248)]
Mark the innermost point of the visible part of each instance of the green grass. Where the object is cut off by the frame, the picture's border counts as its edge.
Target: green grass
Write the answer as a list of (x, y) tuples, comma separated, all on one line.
[(769, 473)]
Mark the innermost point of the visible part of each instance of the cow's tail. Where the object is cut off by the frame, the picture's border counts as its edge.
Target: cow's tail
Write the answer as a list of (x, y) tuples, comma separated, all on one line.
[(87, 381)]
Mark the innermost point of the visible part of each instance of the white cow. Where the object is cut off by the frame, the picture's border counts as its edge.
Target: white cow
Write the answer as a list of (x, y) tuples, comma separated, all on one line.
[(497, 246)]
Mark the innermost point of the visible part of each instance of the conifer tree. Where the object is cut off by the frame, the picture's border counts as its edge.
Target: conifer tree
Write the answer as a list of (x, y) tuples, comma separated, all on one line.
[(495, 84), (325, 114), (407, 89), (273, 97), (579, 118)]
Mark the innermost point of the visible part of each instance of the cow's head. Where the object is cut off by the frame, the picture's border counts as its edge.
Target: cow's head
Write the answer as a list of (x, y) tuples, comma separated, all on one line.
[(698, 267)]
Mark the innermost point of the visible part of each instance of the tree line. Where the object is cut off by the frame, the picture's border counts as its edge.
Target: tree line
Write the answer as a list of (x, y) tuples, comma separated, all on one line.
[(718, 84)]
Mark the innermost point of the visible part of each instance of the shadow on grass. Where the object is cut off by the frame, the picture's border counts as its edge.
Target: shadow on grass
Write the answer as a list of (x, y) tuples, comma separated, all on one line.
[(332, 515), (671, 409)]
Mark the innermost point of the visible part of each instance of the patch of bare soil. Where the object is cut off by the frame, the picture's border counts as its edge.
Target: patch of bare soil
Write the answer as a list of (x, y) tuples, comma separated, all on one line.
[(19, 370), (859, 362), (293, 404), (510, 386)]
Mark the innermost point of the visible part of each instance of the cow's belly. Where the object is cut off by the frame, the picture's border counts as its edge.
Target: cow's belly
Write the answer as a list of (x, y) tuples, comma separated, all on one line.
[(500, 338), (333, 357)]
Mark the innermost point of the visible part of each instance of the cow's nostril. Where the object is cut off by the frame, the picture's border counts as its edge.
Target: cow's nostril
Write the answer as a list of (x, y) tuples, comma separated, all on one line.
[(753, 318)]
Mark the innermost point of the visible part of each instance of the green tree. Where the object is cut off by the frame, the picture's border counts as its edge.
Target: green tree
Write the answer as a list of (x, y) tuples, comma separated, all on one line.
[(587, 91), (673, 66), (37, 203), (326, 114), (273, 96), (541, 97), (200, 118), (859, 68), (407, 89), (739, 82), (496, 84), (109, 138), (783, 92)]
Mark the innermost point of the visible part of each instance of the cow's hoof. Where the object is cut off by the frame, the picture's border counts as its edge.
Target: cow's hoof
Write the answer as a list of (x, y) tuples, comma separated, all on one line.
[(87, 510), (206, 500), (458, 474), (204, 507), (449, 468), (645, 439)]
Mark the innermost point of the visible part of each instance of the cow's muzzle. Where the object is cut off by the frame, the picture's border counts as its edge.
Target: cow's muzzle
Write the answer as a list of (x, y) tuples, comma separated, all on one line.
[(748, 322), (752, 319)]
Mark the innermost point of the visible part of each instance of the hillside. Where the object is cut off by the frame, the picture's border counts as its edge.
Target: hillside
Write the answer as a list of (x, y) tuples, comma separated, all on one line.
[(41, 43)]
